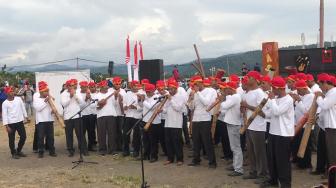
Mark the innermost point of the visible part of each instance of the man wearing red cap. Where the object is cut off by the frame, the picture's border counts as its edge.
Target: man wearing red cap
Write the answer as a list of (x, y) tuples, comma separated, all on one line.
[(231, 106), (92, 139), (201, 123), (71, 101), (173, 124), (151, 144), (106, 120), (291, 79), (44, 120), (13, 114), (303, 102), (159, 133), (327, 103), (281, 112), (255, 133), (119, 109), (133, 112)]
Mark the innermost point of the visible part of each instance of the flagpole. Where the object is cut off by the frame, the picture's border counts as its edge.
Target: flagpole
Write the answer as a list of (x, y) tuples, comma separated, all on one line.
[(136, 62), (128, 63)]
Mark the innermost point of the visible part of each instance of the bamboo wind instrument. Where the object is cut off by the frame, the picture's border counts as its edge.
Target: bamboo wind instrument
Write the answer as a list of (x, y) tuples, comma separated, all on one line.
[(199, 62), (59, 119), (253, 116), (310, 122), (215, 104), (102, 102), (155, 113), (300, 124)]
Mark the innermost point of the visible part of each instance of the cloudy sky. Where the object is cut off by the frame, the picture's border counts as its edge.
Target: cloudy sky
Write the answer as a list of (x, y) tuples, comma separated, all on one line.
[(37, 31)]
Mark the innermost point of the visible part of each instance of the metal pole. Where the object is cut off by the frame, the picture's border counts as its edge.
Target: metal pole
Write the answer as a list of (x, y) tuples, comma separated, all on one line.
[(321, 23), (77, 64)]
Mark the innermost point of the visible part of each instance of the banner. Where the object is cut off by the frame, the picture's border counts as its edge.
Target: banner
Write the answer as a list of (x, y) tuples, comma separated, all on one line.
[(270, 59)]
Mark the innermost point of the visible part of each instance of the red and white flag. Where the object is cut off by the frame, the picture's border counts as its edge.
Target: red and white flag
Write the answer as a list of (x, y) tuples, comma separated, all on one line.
[(136, 66), (141, 52), (127, 60)]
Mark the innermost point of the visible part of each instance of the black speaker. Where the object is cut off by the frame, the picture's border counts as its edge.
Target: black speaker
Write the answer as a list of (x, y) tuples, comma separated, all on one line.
[(151, 69), (110, 68)]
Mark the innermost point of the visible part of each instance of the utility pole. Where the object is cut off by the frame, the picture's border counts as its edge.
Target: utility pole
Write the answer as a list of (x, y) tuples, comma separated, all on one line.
[(321, 23), (77, 63)]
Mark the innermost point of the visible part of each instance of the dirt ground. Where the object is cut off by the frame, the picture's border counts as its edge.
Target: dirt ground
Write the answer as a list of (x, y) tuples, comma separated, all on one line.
[(115, 171)]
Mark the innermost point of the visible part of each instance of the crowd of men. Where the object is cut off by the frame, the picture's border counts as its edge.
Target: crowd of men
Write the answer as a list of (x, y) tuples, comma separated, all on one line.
[(108, 122)]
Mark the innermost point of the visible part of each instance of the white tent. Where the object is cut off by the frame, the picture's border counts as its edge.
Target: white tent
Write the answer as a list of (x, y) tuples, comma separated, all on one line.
[(56, 79)]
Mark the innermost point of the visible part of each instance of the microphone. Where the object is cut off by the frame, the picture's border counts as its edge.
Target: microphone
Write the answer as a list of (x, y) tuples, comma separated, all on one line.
[(159, 98)]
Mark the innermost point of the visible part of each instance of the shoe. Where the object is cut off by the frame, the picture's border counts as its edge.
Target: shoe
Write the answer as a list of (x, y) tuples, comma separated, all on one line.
[(125, 154), (194, 164), (40, 155), (230, 168), (91, 149), (213, 166), (268, 184), (153, 160), (20, 154), (234, 174), (35, 151), (167, 163), (250, 176), (135, 154), (179, 163), (86, 154), (53, 154), (102, 153), (71, 154), (14, 156), (315, 173), (260, 180)]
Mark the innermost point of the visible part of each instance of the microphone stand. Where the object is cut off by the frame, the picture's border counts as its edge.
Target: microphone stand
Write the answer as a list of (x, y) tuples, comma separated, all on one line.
[(81, 160), (137, 124)]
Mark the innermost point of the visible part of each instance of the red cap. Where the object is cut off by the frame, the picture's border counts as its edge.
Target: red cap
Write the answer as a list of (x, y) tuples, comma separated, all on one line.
[(160, 84), (301, 76), (92, 84), (103, 83), (149, 87), (43, 86), (310, 77), (71, 82), (233, 78), (232, 85), (278, 82), (144, 81), (83, 83), (254, 74), (220, 73), (245, 80), (291, 77), (323, 77), (8, 89), (266, 79), (207, 82), (222, 85), (197, 78), (134, 83), (301, 84), (333, 80), (172, 83), (117, 80)]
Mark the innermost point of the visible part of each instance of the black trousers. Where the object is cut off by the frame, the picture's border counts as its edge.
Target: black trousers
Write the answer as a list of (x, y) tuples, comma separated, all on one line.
[(174, 142), (70, 126), (218, 135), (46, 132), (280, 166), (35, 140), (89, 125), (222, 129), (202, 135), (129, 123), (154, 138), (19, 127), (162, 139), (185, 130), (295, 144), (321, 161), (305, 162), (119, 139), (243, 141), (331, 143), (146, 140), (107, 130)]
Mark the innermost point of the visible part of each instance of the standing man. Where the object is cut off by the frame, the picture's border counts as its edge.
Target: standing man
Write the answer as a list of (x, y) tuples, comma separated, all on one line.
[(106, 120), (28, 98), (71, 101), (281, 113), (13, 114), (255, 133), (173, 124), (161, 91), (201, 120), (92, 139), (44, 120)]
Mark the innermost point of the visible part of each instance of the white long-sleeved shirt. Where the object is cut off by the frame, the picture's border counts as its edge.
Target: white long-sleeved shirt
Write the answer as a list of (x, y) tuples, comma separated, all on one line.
[(202, 100), (43, 112), (86, 111), (213, 95), (117, 108), (328, 107), (174, 112), (129, 99), (231, 106), (303, 106), (148, 103), (181, 91), (71, 105), (254, 98), (93, 107), (13, 111), (109, 109), (281, 113)]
